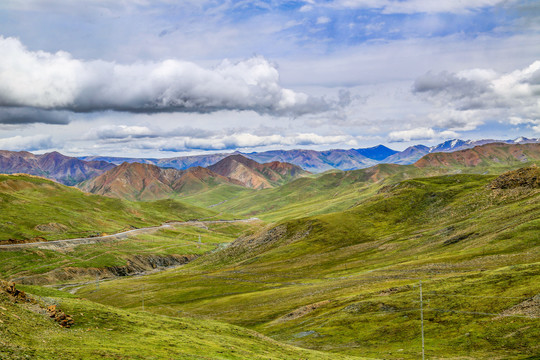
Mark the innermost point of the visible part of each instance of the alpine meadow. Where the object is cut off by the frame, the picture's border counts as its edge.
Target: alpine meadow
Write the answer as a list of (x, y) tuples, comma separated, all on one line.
[(274, 179)]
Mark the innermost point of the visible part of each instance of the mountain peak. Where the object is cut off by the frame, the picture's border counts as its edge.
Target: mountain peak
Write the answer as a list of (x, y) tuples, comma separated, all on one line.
[(255, 175)]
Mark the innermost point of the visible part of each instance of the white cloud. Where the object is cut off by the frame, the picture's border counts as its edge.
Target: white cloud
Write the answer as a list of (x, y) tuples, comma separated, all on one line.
[(469, 98), (27, 143), (323, 20), (423, 133), (243, 141), (58, 81)]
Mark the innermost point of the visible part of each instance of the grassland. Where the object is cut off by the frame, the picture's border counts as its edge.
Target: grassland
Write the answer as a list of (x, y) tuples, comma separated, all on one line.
[(138, 253), (338, 271), (33, 207), (336, 191), (105, 332), (344, 282)]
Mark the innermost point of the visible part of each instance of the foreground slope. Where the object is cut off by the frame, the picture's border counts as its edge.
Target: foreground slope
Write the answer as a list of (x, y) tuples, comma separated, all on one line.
[(33, 207), (108, 333), (345, 282)]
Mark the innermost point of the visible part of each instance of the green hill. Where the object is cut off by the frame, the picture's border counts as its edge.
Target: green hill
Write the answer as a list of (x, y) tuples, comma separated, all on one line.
[(345, 282), (33, 207)]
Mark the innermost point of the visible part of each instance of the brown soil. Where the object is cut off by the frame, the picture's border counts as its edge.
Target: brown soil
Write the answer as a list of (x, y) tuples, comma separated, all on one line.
[(304, 310), (51, 227), (529, 307)]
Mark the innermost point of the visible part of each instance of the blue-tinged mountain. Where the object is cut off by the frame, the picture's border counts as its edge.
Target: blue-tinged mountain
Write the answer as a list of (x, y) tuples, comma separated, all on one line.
[(379, 152), (320, 161)]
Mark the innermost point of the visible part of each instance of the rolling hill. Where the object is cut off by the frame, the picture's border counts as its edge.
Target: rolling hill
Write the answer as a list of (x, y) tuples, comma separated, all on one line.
[(110, 333), (347, 282), (33, 207)]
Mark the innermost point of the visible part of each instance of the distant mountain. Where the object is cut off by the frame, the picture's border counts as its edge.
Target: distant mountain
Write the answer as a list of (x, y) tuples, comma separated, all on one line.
[(414, 153), (255, 175), (136, 181), (379, 152), (407, 156), (317, 161), (180, 163), (55, 166), (484, 155)]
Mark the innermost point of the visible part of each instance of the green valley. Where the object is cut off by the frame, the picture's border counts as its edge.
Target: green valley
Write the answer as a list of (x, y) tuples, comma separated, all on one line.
[(341, 265)]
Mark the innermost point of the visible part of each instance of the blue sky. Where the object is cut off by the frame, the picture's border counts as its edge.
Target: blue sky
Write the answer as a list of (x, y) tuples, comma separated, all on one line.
[(168, 78)]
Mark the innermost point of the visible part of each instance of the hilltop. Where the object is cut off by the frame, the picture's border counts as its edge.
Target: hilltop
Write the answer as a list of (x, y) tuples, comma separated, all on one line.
[(254, 175)]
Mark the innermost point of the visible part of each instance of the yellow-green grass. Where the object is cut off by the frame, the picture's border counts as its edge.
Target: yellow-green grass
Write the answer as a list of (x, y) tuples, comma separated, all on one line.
[(335, 190), (103, 332), (358, 267), (35, 207), (47, 266)]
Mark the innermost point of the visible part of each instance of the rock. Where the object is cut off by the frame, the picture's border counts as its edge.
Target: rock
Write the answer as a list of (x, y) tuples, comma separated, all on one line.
[(525, 178)]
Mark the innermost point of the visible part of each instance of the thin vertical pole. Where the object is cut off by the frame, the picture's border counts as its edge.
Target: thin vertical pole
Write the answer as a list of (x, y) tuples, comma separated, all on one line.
[(422, 318)]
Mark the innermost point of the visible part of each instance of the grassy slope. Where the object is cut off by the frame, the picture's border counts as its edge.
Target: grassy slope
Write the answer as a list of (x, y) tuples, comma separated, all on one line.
[(476, 249), (26, 202), (108, 333), (44, 266), (338, 190)]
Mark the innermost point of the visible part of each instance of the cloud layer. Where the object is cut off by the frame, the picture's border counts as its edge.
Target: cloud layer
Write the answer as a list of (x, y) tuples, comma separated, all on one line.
[(58, 81), (468, 98)]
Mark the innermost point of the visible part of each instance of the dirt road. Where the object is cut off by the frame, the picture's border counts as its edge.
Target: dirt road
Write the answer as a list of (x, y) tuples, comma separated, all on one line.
[(119, 236)]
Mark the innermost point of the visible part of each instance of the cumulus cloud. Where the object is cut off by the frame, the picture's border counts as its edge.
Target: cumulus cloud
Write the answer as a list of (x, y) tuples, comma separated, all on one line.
[(25, 115), (27, 143), (127, 132), (58, 81), (422, 133), (473, 96), (244, 140)]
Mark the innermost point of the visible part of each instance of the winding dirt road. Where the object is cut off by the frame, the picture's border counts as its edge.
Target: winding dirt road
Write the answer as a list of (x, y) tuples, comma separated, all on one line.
[(119, 236)]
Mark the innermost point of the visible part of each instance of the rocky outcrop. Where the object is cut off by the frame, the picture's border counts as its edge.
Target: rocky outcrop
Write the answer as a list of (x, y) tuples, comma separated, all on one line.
[(60, 317), (15, 294), (523, 178)]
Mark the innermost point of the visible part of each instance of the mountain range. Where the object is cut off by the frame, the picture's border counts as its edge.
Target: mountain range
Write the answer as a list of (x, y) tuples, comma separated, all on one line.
[(137, 181), (71, 171), (320, 161), (64, 169)]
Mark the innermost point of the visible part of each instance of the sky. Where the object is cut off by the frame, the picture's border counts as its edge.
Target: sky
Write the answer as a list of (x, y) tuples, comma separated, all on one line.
[(164, 78)]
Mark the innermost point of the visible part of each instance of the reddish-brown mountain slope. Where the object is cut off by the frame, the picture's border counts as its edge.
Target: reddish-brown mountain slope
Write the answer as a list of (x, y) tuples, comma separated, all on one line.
[(65, 169), (135, 181), (485, 155), (254, 175)]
